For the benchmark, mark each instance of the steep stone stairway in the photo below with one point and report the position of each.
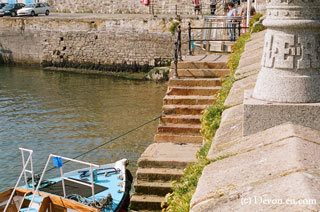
(178, 137)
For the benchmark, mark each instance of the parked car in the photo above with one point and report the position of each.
(2, 5)
(35, 9)
(11, 9)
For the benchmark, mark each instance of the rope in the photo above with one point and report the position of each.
(111, 140)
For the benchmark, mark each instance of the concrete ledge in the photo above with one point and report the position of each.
(236, 94)
(238, 144)
(270, 172)
(260, 115)
(229, 132)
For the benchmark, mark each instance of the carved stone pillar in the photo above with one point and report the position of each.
(288, 85)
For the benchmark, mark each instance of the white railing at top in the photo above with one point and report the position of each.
(91, 165)
(23, 173)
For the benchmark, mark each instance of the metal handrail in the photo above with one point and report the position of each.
(177, 52)
(236, 26)
(174, 8)
(91, 165)
(23, 172)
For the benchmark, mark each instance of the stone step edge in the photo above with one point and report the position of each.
(146, 163)
(178, 139)
(193, 126)
(146, 202)
(195, 87)
(164, 171)
(189, 97)
(186, 106)
(166, 184)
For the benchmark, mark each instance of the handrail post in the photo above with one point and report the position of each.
(62, 180)
(152, 8)
(189, 39)
(239, 26)
(23, 164)
(32, 176)
(92, 184)
(176, 10)
(175, 60)
(179, 43)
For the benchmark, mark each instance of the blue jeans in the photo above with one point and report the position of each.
(232, 31)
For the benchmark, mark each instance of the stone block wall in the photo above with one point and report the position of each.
(127, 6)
(16, 44)
(99, 6)
(127, 44)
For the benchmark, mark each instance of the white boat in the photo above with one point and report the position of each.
(96, 188)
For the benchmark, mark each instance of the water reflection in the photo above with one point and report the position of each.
(67, 114)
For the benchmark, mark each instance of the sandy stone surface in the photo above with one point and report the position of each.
(236, 94)
(243, 72)
(229, 132)
(279, 194)
(169, 153)
(229, 178)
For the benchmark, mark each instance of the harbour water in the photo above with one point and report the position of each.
(68, 114)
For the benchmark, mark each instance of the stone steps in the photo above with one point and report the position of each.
(191, 82)
(159, 174)
(168, 155)
(179, 139)
(188, 100)
(146, 202)
(201, 65)
(201, 73)
(152, 188)
(180, 129)
(183, 109)
(200, 91)
(180, 119)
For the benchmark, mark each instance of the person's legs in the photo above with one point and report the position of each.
(211, 9)
(232, 31)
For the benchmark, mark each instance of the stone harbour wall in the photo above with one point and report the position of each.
(106, 44)
(126, 6)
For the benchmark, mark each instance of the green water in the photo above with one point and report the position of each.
(68, 114)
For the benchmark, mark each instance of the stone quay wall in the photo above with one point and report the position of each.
(183, 7)
(116, 44)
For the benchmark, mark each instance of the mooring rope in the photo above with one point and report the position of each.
(111, 140)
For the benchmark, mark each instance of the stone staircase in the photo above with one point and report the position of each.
(178, 137)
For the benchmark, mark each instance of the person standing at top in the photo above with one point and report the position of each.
(231, 21)
(243, 13)
(244, 10)
(213, 6)
(196, 7)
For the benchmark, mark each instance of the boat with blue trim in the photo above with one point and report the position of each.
(95, 188)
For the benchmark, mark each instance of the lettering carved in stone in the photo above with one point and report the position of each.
(290, 52)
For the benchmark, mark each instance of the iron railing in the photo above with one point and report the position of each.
(177, 52)
(182, 9)
(233, 24)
